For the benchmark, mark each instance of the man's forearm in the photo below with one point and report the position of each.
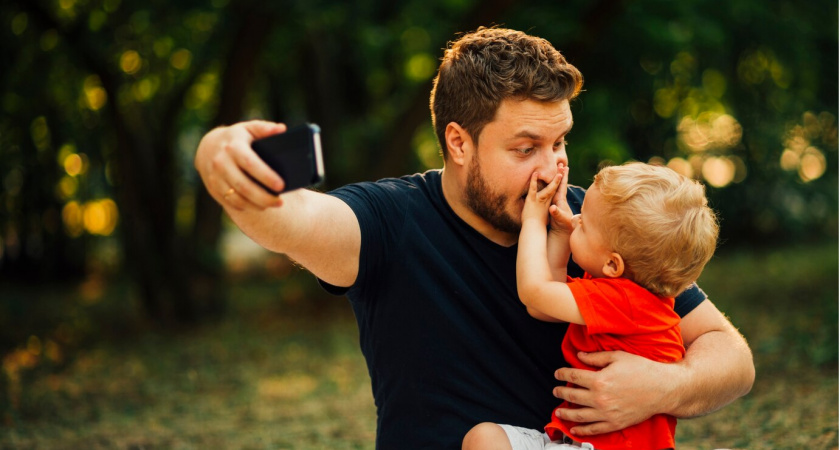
(717, 369)
(628, 389)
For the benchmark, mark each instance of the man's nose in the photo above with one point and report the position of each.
(547, 165)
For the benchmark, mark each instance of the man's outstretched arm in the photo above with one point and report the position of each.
(717, 369)
(318, 231)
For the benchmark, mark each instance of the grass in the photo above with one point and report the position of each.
(266, 377)
(282, 371)
(785, 303)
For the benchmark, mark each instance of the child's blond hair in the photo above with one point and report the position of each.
(660, 223)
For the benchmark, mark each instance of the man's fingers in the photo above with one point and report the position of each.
(574, 395)
(262, 128)
(240, 203)
(598, 359)
(240, 166)
(579, 415)
(251, 193)
(245, 192)
(253, 165)
(591, 429)
(579, 377)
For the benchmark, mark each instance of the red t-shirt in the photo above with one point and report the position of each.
(621, 315)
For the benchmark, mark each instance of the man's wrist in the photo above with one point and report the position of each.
(679, 382)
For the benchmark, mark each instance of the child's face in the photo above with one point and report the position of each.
(590, 248)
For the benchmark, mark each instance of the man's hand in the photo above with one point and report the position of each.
(225, 161)
(627, 389)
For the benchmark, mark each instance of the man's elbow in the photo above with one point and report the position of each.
(745, 364)
(748, 378)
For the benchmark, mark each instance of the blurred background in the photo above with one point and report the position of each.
(134, 315)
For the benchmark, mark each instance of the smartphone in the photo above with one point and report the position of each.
(295, 155)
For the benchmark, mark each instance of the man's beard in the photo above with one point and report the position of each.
(488, 205)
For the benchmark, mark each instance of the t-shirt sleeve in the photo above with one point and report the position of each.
(599, 302)
(689, 299)
(380, 217)
(614, 307)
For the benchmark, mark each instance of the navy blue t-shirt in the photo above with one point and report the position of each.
(447, 342)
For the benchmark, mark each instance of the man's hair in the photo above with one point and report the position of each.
(659, 222)
(489, 65)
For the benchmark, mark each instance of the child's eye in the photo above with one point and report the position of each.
(526, 151)
(562, 143)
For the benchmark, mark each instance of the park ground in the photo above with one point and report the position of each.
(283, 370)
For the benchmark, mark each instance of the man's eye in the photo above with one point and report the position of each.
(526, 151)
(559, 144)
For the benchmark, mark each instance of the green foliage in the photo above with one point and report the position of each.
(107, 99)
(761, 289)
(769, 68)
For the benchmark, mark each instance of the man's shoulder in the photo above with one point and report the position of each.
(574, 195)
(399, 192)
(430, 178)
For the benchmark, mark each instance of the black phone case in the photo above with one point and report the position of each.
(295, 155)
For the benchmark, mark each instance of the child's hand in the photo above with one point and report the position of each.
(559, 211)
(537, 202)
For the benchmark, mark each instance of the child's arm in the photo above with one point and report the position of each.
(545, 298)
(560, 229)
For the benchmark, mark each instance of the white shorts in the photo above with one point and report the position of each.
(528, 439)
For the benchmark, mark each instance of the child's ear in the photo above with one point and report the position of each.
(614, 267)
(458, 143)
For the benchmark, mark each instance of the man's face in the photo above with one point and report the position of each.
(526, 136)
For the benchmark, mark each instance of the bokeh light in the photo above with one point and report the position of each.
(67, 187)
(94, 94)
(709, 131)
(19, 24)
(72, 217)
(420, 67)
(181, 59)
(812, 165)
(73, 164)
(100, 217)
(143, 90)
(681, 166)
(40, 132)
(801, 153)
(718, 171)
(130, 62)
(202, 92)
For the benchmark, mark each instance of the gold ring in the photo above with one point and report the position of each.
(229, 192)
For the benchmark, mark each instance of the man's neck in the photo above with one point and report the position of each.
(453, 194)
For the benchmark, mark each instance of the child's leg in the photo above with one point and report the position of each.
(503, 437)
(486, 436)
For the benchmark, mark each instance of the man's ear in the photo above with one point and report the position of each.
(614, 267)
(458, 143)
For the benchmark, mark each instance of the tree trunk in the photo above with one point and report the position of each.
(179, 278)
(205, 265)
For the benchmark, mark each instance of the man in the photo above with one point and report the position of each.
(428, 263)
